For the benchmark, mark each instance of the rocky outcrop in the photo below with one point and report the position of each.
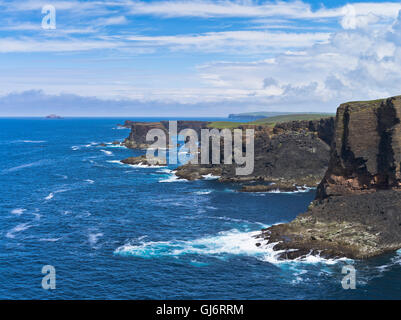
(296, 152)
(276, 187)
(357, 211)
(197, 172)
(366, 154)
(137, 136)
(143, 161)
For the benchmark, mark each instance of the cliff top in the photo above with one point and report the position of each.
(271, 121)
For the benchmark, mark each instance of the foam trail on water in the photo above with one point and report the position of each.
(109, 153)
(32, 141)
(18, 211)
(18, 228)
(50, 196)
(25, 166)
(203, 192)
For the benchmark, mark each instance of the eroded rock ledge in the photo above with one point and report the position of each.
(357, 211)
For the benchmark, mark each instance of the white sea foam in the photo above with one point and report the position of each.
(140, 165)
(50, 196)
(111, 145)
(203, 192)
(93, 238)
(164, 171)
(137, 166)
(227, 242)
(232, 242)
(173, 178)
(210, 177)
(91, 144)
(90, 181)
(75, 148)
(24, 166)
(109, 153)
(396, 260)
(115, 161)
(64, 188)
(299, 190)
(16, 229)
(18, 211)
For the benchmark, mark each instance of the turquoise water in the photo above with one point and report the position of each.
(114, 231)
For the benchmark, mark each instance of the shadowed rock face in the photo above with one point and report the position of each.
(366, 153)
(357, 211)
(137, 137)
(295, 152)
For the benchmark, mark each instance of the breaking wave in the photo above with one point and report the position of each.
(140, 165)
(173, 178)
(232, 242)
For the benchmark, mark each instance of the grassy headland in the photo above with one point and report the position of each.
(271, 121)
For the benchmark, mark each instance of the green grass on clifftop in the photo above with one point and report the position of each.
(271, 121)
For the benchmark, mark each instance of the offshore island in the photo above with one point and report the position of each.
(354, 160)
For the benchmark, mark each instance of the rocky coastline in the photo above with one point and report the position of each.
(357, 210)
(293, 153)
(355, 162)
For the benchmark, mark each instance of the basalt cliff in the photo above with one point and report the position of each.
(137, 136)
(287, 154)
(357, 210)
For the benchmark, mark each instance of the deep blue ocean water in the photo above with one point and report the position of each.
(119, 232)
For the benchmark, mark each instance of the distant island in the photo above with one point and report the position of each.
(53, 116)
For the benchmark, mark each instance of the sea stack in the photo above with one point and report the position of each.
(357, 210)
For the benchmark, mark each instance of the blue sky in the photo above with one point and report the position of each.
(196, 58)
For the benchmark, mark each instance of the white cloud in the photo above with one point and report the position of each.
(283, 9)
(8, 45)
(245, 40)
(353, 65)
(291, 70)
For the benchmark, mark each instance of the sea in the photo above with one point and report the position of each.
(115, 231)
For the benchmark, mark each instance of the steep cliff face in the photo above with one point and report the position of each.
(295, 152)
(137, 136)
(366, 154)
(357, 211)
